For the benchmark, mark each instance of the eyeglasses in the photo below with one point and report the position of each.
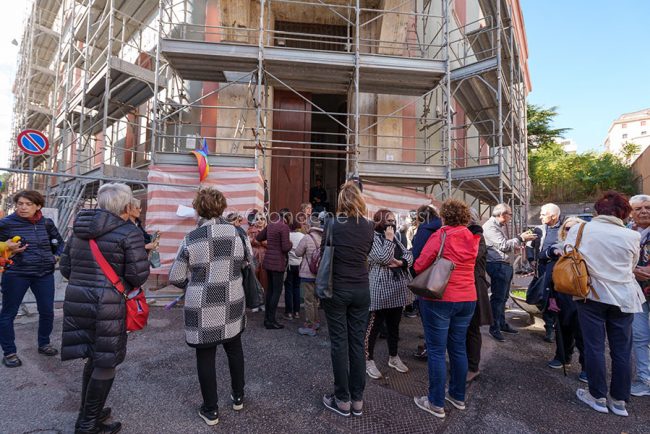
(390, 221)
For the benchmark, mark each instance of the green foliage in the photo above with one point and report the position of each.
(540, 132)
(560, 177)
(629, 151)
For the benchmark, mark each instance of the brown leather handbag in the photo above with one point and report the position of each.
(570, 273)
(432, 282)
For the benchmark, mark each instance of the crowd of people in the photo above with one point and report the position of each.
(373, 263)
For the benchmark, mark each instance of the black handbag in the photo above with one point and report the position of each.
(536, 288)
(253, 290)
(325, 277)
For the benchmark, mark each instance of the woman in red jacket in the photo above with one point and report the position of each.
(445, 321)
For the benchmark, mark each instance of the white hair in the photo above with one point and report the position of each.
(552, 208)
(639, 198)
(476, 219)
(114, 197)
(500, 209)
(136, 203)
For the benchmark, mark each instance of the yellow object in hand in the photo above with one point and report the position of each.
(15, 239)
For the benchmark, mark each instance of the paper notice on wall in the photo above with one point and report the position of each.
(185, 211)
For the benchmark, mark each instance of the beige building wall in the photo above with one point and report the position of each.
(641, 168)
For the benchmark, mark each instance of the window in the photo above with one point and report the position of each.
(624, 126)
(643, 123)
(643, 133)
(625, 136)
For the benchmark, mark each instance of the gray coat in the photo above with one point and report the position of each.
(208, 266)
(498, 245)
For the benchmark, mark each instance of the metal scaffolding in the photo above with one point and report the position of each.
(400, 92)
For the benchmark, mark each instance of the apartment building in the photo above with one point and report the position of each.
(629, 128)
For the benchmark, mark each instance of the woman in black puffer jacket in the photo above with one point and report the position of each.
(94, 312)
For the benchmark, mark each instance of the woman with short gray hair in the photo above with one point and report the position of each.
(94, 312)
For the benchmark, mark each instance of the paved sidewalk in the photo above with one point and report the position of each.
(157, 391)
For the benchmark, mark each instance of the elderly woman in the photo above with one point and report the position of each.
(347, 310)
(33, 268)
(446, 321)
(567, 330)
(208, 266)
(94, 312)
(389, 261)
(611, 252)
(150, 241)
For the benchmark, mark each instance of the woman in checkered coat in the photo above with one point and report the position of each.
(208, 266)
(389, 262)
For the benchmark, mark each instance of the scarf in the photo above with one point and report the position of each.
(38, 215)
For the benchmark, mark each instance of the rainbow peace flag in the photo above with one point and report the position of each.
(202, 161)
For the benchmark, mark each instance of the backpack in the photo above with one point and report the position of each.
(314, 259)
(570, 273)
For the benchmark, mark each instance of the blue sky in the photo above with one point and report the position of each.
(591, 59)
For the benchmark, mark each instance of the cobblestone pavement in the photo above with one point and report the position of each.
(157, 391)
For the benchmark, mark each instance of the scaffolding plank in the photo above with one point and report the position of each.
(216, 160)
(198, 60)
(402, 174)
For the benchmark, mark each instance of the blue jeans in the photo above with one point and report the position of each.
(445, 329)
(641, 343)
(500, 277)
(596, 319)
(14, 289)
(292, 290)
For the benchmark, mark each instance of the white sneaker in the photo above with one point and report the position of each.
(617, 407)
(600, 404)
(639, 388)
(423, 403)
(372, 371)
(397, 364)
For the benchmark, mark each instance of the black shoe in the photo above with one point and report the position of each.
(508, 329)
(329, 401)
(96, 394)
(421, 353)
(211, 417)
(87, 372)
(497, 335)
(549, 337)
(273, 325)
(237, 403)
(48, 350)
(11, 361)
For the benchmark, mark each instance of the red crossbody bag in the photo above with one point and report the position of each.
(137, 310)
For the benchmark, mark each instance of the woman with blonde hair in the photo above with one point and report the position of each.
(347, 311)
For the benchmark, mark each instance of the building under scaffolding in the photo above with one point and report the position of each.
(422, 99)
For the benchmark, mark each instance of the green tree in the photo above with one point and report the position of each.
(629, 151)
(540, 131)
(560, 177)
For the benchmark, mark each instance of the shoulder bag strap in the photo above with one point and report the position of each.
(579, 237)
(241, 237)
(108, 271)
(442, 245)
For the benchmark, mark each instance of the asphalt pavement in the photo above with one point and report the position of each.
(156, 389)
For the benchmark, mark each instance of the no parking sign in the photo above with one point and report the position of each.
(33, 142)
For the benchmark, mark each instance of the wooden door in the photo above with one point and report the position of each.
(291, 129)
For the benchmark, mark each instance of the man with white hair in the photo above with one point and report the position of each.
(547, 235)
(641, 325)
(500, 246)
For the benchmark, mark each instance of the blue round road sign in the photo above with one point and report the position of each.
(33, 142)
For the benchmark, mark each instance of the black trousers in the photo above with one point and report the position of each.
(474, 342)
(567, 331)
(392, 318)
(347, 319)
(205, 365)
(276, 282)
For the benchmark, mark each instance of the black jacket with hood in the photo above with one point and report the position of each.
(94, 313)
